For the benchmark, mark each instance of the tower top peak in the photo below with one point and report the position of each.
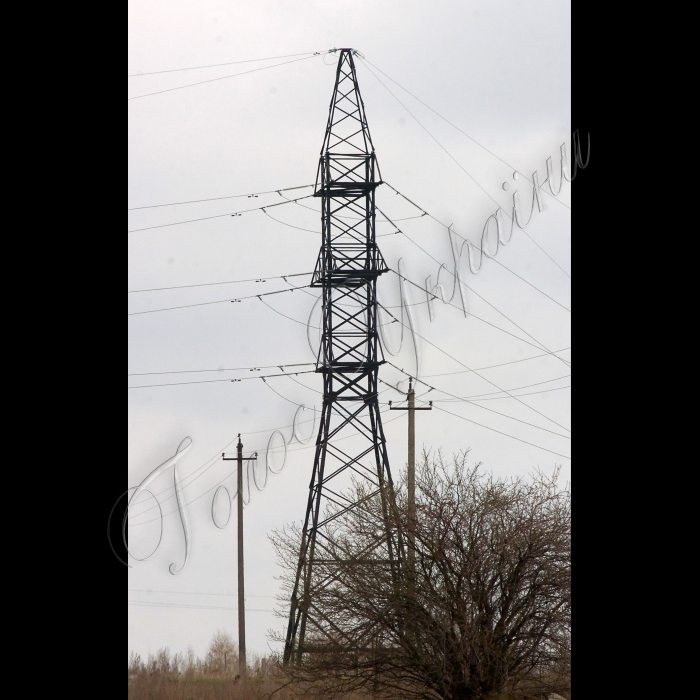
(347, 132)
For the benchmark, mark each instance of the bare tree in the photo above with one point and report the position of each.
(190, 663)
(163, 664)
(482, 611)
(222, 655)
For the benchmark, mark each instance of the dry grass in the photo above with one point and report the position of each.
(202, 687)
(184, 677)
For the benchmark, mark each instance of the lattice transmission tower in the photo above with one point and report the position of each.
(348, 265)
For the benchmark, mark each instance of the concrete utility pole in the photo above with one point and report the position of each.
(411, 408)
(241, 587)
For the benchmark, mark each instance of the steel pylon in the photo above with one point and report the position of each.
(349, 357)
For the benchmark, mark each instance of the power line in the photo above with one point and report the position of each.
(478, 318)
(301, 364)
(528, 393)
(477, 374)
(219, 216)
(303, 323)
(491, 410)
(211, 381)
(212, 80)
(233, 595)
(512, 272)
(208, 464)
(211, 284)
(296, 381)
(348, 306)
(307, 323)
(503, 364)
(215, 486)
(194, 607)
(315, 391)
(515, 388)
(353, 218)
(432, 137)
(545, 252)
(219, 301)
(477, 293)
(221, 369)
(295, 403)
(457, 280)
(302, 288)
(212, 460)
(475, 403)
(498, 262)
(471, 289)
(466, 171)
(299, 228)
(476, 398)
(454, 126)
(214, 199)
(313, 446)
(505, 415)
(532, 444)
(231, 63)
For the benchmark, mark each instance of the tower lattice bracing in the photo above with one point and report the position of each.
(348, 265)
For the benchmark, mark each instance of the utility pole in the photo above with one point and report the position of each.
(411, 408)
(241, 588)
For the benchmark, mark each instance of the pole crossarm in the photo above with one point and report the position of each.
(349, 357)
(409, 408)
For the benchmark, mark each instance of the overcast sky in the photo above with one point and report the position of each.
(498, 70)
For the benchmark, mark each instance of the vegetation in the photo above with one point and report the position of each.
(163, 676)
(481, 610)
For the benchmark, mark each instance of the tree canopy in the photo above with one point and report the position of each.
(480, 609)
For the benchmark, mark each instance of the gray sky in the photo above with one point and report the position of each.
(500, 71)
